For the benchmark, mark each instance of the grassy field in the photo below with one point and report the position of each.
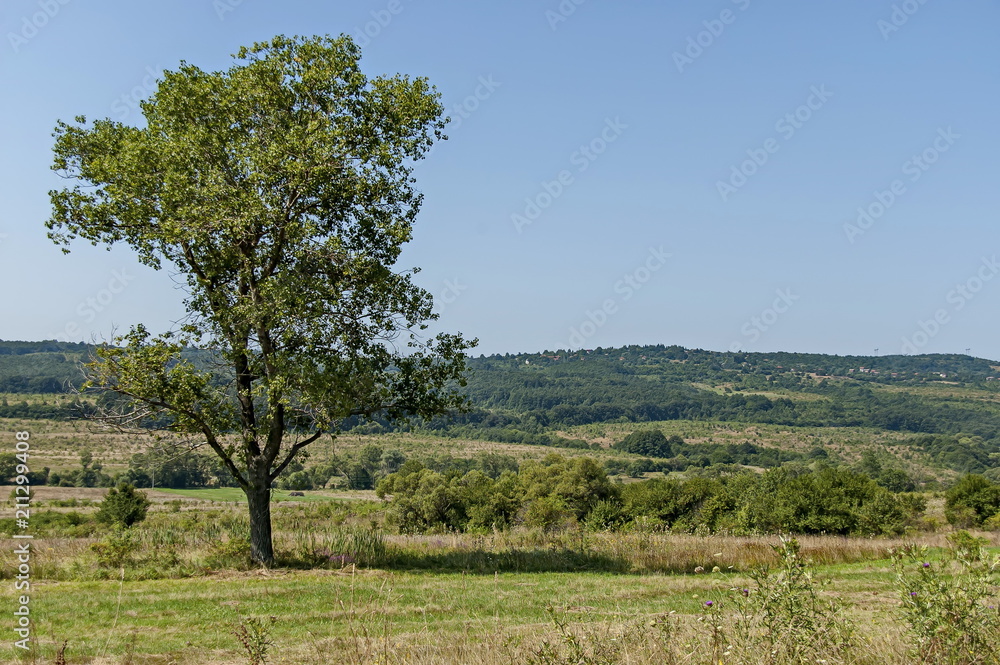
(416, 608)
(179, 590)
(341, 615)
(235, 494)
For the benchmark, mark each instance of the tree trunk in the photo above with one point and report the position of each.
(259, 500)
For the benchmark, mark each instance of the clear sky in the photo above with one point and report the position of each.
(783, 175)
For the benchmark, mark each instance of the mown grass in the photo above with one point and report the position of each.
(235, 494)
(381, 616)
(189, 620)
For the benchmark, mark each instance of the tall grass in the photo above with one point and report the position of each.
(182, 544)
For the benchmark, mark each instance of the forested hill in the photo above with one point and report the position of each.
(41, 367)
(527, 395)
(931, 394)
(698, 365)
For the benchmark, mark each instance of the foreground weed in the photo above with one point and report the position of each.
(785, 619)
(128, 657)
(573, 650)
(254, 633)
(967, 547)
(950, 607)
(595, 647)
(116, 550)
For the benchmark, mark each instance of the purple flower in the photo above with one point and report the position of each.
(338, 559)
(342, 559)
(926, 565)
(913, 593)
(708, 603)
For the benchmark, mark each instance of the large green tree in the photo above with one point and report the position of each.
(281, 191)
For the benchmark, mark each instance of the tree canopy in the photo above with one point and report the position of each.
(281, 191)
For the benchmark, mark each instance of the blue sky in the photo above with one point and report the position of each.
(778, 175)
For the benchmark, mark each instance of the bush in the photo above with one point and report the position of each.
(254, 633)
(300, 480)
(605, 516)
(116, 549)
(896, 480)
(973, 499)
(578, 484)
(649, 443)
(993, 523)
(123, 507)
(946, 605)
(548, 513)
(546, 494)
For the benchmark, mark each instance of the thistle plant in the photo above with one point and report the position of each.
(950, 606)
(784, 618)
(254, 633)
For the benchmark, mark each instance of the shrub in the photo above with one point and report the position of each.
(993, 523)
(492, 504)
(299, 480)
(116, 549)
(966, 547)
(973, 498)
(895, 480)
(123, 507)
(548, 513)
(16, 492)
(579, 484)
(947, 605)
(423, 500)
(659, 498)
(649, 443)
(605, 515)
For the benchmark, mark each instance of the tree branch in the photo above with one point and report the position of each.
(292, 452)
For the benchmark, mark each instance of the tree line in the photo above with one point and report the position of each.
(558, 492)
